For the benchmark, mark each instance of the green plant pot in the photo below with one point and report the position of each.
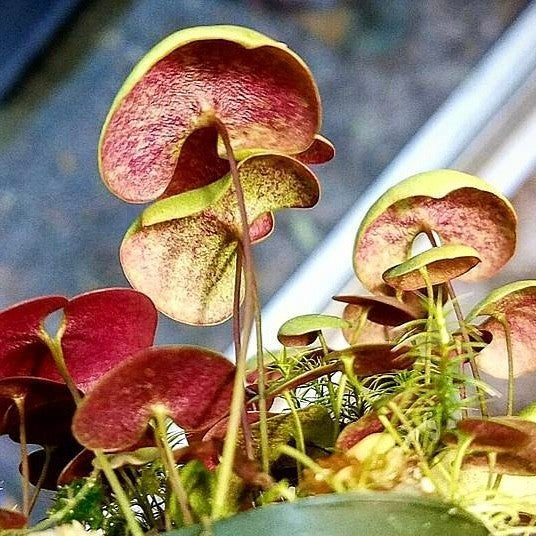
(367, 514)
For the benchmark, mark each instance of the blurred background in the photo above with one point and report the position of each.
(383, 68)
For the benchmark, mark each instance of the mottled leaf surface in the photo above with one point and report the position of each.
(515, 303)
(369, 359)
(513, 439)
(262, 92)
(441, 264)
(460, 208)
(104, 327)
(362, 330)
(186, 264)
(192, 385)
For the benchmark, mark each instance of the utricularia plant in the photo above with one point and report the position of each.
(214, 130)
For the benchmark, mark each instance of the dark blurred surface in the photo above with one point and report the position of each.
(382, 68)
(26, 28)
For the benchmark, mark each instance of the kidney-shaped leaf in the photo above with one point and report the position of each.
(441, 264)
(104, 327)
(98, 329)
(515, 304)
(193, 385)
(348, 514)
(261, 91)
(303, 330)
(186, 262)
(21, 346)
(460, 208)
(48, 409)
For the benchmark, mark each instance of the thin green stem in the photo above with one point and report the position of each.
(251, 311)
(120, 495)
(509, 351)
(246, 429)
(20, 403)
(263, 411)
(465, 335)
(54, 345)
(42, 476)
(300, 440)
(173, 475)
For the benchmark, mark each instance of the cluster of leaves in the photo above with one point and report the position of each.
(216, 128)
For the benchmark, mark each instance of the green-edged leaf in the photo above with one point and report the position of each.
(441, 265)
(260, 90)
(514, 304)
(303, 330)
(460, 208)
(349, 514)
(187, 204)
(186, 265)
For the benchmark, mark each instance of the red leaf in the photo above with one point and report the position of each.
(192, 384)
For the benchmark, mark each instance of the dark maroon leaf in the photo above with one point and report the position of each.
(193, 385)
(10, 520)
(22, 350)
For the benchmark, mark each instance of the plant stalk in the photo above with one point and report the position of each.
(54, 345)
(171, 469)
(251, 311)
(20, 403)
(509, 351)
(459, 316)
(42, 476)
(246, 429)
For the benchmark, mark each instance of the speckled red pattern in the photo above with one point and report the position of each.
(519, 309)
(465, 216)
(261, 95)
(194, 385)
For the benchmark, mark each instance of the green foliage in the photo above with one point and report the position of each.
(93, 508)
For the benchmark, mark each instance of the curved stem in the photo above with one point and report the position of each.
(54, 345)
(300, 439)
(19, 402)
(169, 463)
(119, 492)
(246, 429)
(251, 311)
(509, 351)
(42, 476)
(465, 335)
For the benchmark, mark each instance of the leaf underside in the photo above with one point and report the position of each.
(187, 265)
